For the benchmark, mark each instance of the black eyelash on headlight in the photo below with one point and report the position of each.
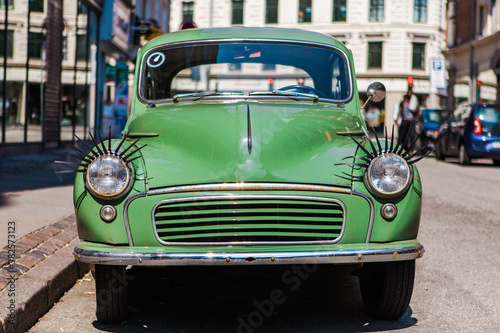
(100, 149)
(409, 155)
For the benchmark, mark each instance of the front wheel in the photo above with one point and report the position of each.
(463, 156)
(386, 288)
(111, 294)
(439, 153)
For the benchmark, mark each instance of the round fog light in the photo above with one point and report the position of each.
(108, 213)
(389, 211)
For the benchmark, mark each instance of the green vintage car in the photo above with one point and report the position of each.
(246, 146)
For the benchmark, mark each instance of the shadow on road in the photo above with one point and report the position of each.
(248, 299)
(31, 172)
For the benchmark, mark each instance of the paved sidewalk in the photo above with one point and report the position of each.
(44, 268)
(37, 236)
(35, 191)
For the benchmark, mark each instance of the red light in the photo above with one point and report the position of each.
(477, 126)
(479, 83)
(188, 25)
(410, 80)
(270, 80)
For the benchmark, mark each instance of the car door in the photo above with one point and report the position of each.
(457, 128)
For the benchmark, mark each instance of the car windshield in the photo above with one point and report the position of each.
(257, 69)
(432, 116)
(490, 120)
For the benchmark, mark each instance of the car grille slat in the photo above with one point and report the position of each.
(208, 220)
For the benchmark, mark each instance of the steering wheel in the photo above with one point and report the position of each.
(304, 90)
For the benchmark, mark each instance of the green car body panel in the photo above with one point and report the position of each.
(204, 142)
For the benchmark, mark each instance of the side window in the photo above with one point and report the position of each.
(457, 114)
(467, 112)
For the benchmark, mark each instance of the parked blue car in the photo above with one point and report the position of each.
(472, 131)
(431, 121)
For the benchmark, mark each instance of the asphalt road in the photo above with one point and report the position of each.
(456, 286)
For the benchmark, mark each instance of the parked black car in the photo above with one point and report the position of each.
(472, 131)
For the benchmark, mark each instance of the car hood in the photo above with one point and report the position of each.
(201, 143)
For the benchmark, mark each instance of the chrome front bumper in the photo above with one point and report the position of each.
(254, 258)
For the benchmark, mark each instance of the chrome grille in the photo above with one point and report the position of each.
(248, 219)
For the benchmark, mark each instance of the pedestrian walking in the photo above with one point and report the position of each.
(409, 114)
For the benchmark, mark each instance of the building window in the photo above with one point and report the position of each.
(420, 11)
(10, 43)
(237, 12)
(37, 5)
(187, 11)
(11, 4)
(305, 10)
(271, 11)
(481, 20)
(268, 67)
(374, 54)
(376, 10)
(235, 66)
(81, 48)
(35, 40)
(339, 10)
(418, 61)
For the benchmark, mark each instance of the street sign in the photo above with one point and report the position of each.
(438, 73)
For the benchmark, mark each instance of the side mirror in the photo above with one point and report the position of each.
(375, 92)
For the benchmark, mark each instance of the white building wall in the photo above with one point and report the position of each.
(397, 32)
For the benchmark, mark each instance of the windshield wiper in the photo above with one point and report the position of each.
(199, 95)
(293, 95)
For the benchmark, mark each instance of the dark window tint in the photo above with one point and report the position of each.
(237, 17)
(339, 10)
(418, 60)
(375, 55)
(490, 120)
(36, 45)
(37, 6)
(376, 10)
(10, 43)
(305, 11)
(187, 11)
(420, 11)
(271, 11)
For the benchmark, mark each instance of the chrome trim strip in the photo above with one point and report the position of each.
(247, 187)
(249, 130)
(249, 196)
(372, 213)
(125, 214)
(249, 258)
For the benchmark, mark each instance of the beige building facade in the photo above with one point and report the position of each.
(391, 40)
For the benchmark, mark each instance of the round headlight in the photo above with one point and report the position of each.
(108, 177)
(388, 175)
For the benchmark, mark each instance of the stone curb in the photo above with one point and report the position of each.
(43, 271)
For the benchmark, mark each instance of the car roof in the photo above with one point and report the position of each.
(480, 104)
(243, 33)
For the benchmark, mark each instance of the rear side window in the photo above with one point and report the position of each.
(490, 120)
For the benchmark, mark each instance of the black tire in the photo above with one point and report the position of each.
(111, 294)
(463, 156)
(386, 288)
(439, 153)
(496, 162)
